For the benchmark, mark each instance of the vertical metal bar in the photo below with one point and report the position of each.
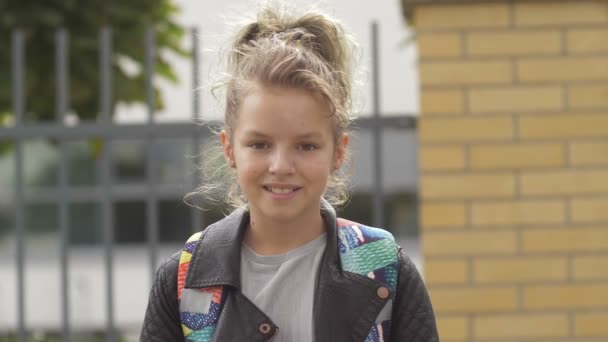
(378, 199)
(106, 157)
(105, 66)
(197, 216)
(61, 97)
(18, 66)
(197, 219)
(196, 101)
(151, 201)
(150, 51)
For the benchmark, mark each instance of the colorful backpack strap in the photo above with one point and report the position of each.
(199, 309)
(371, 252)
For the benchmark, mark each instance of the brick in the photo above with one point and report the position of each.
(589, 210)
(469, 243)
(446, 215)
(591, 324)
(441, 158)
(589, 153)
(513, 43)
(526, 212)
(445, 271)
(562, 69)
(520, 270)
(466, 73)
(566, 296)
(516, 156)
(587, 40)
(564, 126)
(556, 12)
(520, 99)
(521, 326)
(565, 240)
(441, 101)
(439, 45)
(471, 186)
(566, 339)
(453, 328)
(465, 129)
(456, 16)
(564, 182)
(588, 96)
(591, 267)
(474, 300)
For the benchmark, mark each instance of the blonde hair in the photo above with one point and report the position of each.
(277, 49)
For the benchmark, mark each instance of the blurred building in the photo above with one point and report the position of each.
(89, 208)
(87, 287)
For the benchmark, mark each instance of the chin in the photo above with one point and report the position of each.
(284, 212)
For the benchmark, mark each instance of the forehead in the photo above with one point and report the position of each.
(283, 111)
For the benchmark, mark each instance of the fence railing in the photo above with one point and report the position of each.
(106, 191)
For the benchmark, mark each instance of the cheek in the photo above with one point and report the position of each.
(322, 161)
(247, 177)
(318, 167)
(248, 172)
(249, 166)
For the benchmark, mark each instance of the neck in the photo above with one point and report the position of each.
(271, 237)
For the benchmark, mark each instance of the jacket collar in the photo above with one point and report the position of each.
(217, 257)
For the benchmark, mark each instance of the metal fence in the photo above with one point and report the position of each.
(107, 191)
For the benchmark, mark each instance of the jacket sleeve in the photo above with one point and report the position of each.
(413, 318)
(161, 322)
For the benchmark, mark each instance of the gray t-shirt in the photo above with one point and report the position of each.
(283, 286)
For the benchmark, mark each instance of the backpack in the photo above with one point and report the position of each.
(364, 250)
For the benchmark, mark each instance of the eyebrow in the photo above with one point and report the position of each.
(308, 135)
(254, 134)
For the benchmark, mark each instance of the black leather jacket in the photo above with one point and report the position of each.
(346, 304)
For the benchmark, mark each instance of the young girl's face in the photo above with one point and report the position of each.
(284, 149)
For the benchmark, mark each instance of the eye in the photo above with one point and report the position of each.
(258, 145)
(308, 147)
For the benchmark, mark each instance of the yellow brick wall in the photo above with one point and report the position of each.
(514, 167)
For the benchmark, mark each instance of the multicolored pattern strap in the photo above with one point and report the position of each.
(199, 309)
(371, 252)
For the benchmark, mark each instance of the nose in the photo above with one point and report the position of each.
(281, 162)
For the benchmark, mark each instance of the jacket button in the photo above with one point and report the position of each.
(264, 328)
(383, 292)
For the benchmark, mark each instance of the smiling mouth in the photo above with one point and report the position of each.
(280, 190)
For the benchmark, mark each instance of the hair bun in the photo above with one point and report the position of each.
(314, 30)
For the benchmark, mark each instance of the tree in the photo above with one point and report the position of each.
(83, 20)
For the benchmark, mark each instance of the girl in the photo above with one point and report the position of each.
(282, 266)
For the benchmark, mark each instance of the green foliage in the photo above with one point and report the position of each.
(128, 19)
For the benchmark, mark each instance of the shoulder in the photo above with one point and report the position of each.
(413, 316)
(169, 269)
(185, 254)
(352, 235)
(368, 251)
(347, 226)
(161, 322)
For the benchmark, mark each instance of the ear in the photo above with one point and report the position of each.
(341, 149)
(227, 148)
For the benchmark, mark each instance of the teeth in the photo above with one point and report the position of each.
(280, 190)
